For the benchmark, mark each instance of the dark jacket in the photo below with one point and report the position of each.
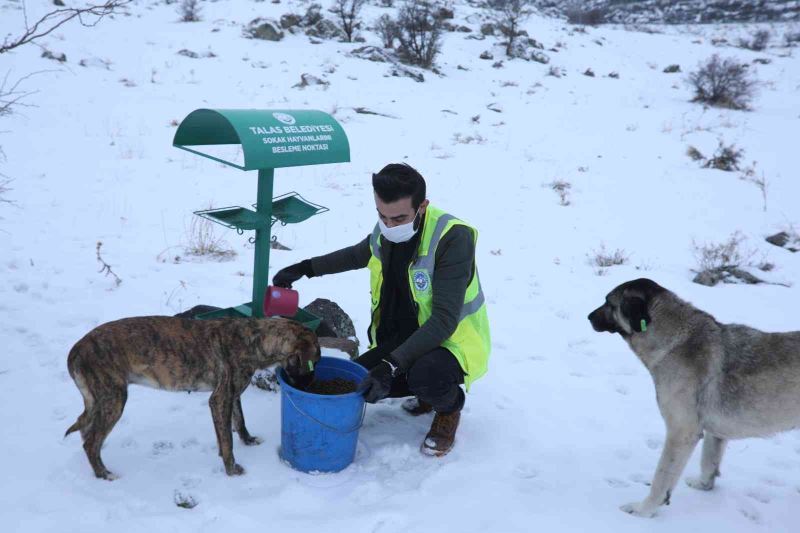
(453, 270)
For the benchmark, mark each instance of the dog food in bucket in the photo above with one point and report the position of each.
(330, 387)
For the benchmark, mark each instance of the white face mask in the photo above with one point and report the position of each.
(399, 233)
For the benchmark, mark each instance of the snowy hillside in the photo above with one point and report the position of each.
(679, 11)
(562, 430)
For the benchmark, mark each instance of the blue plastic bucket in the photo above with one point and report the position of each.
(319, 432)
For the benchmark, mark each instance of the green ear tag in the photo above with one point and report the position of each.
(643, 325)
(311, 365)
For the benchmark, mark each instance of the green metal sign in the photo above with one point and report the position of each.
(272, 138)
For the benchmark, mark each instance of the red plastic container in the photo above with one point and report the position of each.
(280, 302)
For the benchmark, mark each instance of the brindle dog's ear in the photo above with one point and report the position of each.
(635, 310)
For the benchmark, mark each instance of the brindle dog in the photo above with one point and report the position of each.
(182, 355)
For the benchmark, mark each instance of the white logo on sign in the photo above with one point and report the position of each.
(285, 118)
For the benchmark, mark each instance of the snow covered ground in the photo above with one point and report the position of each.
(562, 430)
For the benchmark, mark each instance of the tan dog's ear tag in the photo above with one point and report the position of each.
(310, 366)
(643, 325)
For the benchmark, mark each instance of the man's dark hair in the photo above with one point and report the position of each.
(399, 180)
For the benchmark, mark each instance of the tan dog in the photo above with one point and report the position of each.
(715, 382)
(181, 354)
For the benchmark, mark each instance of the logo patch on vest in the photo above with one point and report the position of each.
(421, 281)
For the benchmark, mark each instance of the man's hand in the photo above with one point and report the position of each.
(377, 384)
(285, 277)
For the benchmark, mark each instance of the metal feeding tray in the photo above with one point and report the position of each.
(239, 218)
(309, 320)
(291, 208)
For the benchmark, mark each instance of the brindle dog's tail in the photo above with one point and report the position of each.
(85, 419)
(79, 424)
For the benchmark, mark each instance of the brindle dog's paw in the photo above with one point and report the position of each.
(107, 475)
(638, 509)
(235, 470)
(252, 441)
(699, 483)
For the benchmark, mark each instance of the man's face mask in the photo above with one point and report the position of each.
(401, 232)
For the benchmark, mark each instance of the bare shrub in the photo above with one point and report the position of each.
(419, 33)
(105, 268)
(694, 154)
(4, 188)
(459, 138)
(202, 241)
(189, 10)
(725, 158)
(347, 11)
(387, 30)
(578, 13)
(603, 259)
(725, 262)
(723, 83)
(751, 175)
(758, 42)
(507, 16)
(728, 254)
(791, 38)
(562, 188)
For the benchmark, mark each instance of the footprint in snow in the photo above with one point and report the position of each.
(621, 389)
(21, 288)
(641, 479)
(751, 514)
(162, 447)
(653, 443)
(623, 454)
(617, 483)
(191, 482)
(759, 496)
(526, 471)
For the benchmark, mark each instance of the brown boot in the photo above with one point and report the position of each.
(416, 407)
(442, 435)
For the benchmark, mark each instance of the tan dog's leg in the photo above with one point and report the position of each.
(110, 401)
(677, 450)
(221, 404)
(713, 448)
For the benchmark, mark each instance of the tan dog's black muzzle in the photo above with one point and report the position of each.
(601, 321)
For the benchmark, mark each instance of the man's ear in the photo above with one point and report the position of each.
(423, 206)
(635, 310)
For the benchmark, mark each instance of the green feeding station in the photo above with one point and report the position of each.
(268, 139)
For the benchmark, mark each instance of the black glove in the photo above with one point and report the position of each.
(285, 277)
(378, 383)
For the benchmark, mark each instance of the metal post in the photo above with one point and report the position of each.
(261, 262)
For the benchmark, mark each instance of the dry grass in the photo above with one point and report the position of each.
(203, 241)
(562, 188)
(602, 259)
(726, 158)
(727, 254)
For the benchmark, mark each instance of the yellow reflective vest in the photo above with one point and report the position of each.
(470, 343)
